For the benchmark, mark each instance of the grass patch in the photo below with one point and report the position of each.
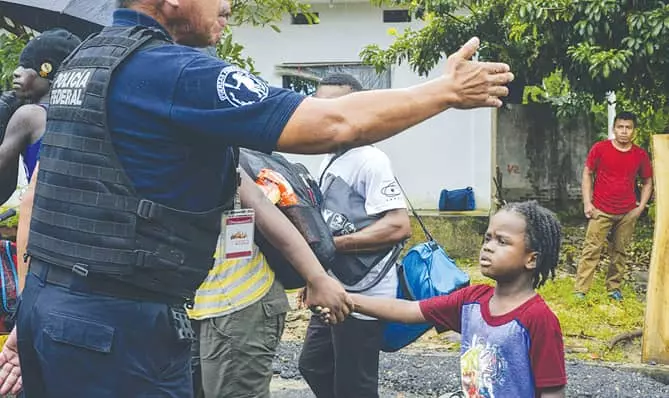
(11, 222)
(591, 323)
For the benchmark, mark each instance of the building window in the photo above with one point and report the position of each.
(299, 84)
(302, 19)
(304, 78)
(394, 16)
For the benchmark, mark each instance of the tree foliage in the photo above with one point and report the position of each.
(266, 12)
(10, 48)
(256, 13)
(598, 46)
(245, 12)
(652, 112)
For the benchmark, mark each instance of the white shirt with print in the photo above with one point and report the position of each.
(367, 170)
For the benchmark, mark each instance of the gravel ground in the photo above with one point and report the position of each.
(417, 374)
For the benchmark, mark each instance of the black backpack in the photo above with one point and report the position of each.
(306, 215)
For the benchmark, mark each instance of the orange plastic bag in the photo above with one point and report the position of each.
(277, 189)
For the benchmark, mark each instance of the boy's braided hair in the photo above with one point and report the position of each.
(543, 234)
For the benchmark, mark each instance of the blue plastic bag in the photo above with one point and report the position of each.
(426, 271)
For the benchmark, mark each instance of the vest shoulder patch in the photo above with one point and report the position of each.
(239, 87)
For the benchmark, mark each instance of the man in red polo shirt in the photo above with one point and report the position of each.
(615, 165)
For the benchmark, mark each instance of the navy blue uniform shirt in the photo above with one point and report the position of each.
(174, 112)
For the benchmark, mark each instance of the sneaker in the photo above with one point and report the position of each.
(579, 295)
(616, 295)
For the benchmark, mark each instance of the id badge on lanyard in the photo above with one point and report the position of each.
(237, 229)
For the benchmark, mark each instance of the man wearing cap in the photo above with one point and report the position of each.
(38, 64)
(137, 170)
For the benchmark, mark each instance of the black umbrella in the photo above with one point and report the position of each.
(81, 17)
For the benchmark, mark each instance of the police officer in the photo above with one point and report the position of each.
(130, 194)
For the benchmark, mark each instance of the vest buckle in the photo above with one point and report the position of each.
(80, 269)
(146, 209)
(142, 257)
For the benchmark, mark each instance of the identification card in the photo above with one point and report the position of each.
(237, 229)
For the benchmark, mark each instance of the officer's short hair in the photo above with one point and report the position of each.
(342, 79)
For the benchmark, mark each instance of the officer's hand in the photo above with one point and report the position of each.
(476, 84)
(327, 293)
(10, 367)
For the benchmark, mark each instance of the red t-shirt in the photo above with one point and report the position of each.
(615, 176)
(512, 355)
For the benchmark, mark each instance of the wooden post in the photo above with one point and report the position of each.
(655, 343)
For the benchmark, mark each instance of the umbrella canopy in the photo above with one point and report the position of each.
(81, 17)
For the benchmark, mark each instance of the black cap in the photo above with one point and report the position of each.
(46, 52)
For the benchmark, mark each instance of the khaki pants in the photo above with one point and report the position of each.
(599, 227)
(237, 350)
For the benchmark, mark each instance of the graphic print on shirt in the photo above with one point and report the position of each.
(482, 367)
(391, 190)
(488, 355)
(339, 224)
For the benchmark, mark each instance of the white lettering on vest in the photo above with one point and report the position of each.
(68, 89)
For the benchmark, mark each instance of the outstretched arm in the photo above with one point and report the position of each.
(388, 309)
(281, 233)
(367, 117)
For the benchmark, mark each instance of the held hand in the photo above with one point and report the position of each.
(588, 210)
(330, 296)
(476, 84)
(10, 367)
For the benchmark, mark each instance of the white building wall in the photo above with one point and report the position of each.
(452, 150)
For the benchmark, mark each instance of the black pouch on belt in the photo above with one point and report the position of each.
(182, 325)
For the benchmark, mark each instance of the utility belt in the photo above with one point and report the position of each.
(106, 286)
(97, 284)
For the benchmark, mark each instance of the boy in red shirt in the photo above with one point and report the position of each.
(511, 341)
(612, 205)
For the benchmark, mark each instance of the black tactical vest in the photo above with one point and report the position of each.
(87, 216)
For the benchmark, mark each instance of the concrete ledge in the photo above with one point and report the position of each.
(460, 233)
(437, 213)
(659, 373)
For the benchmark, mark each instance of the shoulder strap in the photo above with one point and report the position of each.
(427, 233)
(392, 260)
(335, 157)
